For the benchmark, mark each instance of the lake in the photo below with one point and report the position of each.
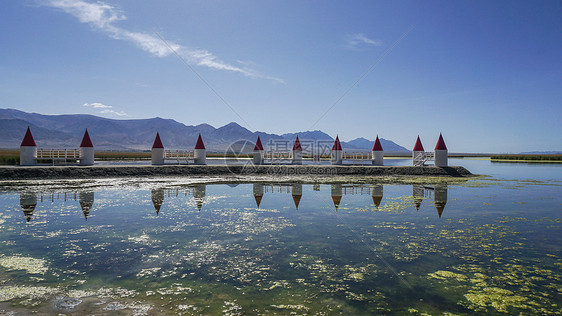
(176, 246)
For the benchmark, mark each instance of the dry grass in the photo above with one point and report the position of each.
(9, 157)
(551, 157)
(122, 155)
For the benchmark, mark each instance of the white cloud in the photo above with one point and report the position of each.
(114, 112)
(104, 109)
(359, 40)
(102, 16)
(97, 105)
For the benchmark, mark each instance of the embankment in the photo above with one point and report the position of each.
(116, 171)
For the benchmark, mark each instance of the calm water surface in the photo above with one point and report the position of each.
(131, 247)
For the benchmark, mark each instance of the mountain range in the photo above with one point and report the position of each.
(66, 131)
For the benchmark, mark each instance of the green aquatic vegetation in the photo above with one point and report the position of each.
(498, 298)
(30, 265)
(444, 275)
(190, 262)
(396, 205)
(8, 293)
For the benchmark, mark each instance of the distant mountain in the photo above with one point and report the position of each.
(60, 131)
(363, 143)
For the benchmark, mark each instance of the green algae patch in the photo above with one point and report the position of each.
(30, 265)
(444, 275)
(8, 293)
(498, 298)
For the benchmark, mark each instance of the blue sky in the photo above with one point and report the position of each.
(487, 74)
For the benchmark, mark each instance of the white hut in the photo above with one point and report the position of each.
(28, 150)
(297, 152)
(157, 151)
(337, 154)
(441, 153)
(418, 153)
(378, 154)
(86, 150)
(258, 153)
(200, 154)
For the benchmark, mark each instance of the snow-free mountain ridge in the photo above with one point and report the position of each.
(66, 131)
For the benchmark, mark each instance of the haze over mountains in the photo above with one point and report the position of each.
(66, 131)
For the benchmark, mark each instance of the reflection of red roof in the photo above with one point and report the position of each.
(377, 146)
(418, 146)
(440, 143)
(336, 199)
(199, 144)
(28, 139)
(297, 144)
(258, 199)
(337, 145)
(297, 200)
(157, 142)
(258, 144)
(86, 141)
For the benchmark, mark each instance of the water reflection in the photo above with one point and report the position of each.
(28, 202)
(258, 189)
(418, 193)
(199, 195)
(337, 193)
(438, 192)
(86, 200)
(296, 192)
(29, 199)
(376, 193)
(157, 199)
(440, 198)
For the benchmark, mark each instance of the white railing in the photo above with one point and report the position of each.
(58, 154)
(278, 155)
(179, 155)
(420, 158)
(357, 156)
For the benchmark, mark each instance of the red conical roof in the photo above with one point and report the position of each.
(258, 144)
(440, 143)
(199, 144)
(418, 146)
(157, 142)
(28, 139)
(337, 145)
(86, 141)
(297, 144)
(377, 146)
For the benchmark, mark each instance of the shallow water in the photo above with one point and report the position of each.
(487, 245)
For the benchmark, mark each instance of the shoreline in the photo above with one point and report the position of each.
(109, 171)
